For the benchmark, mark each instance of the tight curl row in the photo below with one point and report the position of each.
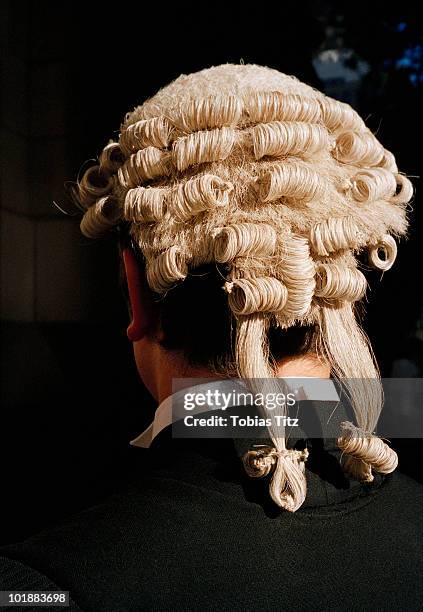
(274, 139)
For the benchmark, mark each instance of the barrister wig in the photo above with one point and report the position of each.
(246, 166)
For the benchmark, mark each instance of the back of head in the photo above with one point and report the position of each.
(249, 172)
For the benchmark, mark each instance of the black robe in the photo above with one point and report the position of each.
(194, 532)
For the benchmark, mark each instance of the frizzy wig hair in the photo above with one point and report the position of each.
(251, 168)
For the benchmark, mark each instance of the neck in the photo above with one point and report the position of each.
(173, 365)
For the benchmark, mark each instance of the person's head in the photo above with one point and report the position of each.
(247, 197)
(192, 326)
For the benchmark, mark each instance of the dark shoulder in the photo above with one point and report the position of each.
(406, 488)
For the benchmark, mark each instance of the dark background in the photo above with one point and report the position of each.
(70, 395)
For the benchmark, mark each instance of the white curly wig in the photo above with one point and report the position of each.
(244, 165)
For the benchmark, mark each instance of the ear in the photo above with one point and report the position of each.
(140, 298)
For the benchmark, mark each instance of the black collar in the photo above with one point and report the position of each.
(216, 463)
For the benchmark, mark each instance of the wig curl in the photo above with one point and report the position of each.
(245, 165)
